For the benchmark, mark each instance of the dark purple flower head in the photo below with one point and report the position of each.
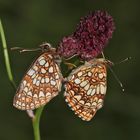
(68, 47)
(93, 33)
(91, 36)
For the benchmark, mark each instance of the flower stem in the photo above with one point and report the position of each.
(36, 122)
(6, 56)
(36, 119)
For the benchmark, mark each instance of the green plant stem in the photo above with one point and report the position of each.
(36, 119)
(36, 122)
(6, 56)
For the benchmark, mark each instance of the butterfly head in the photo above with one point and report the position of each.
(101, 60)
(108, 62)
(47, 47)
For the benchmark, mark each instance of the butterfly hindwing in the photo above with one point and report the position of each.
(40, 84)
(85, 88)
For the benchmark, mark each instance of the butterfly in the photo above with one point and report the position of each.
(85, 88)
(41, 83)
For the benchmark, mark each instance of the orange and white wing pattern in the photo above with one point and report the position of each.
(85, 88)
(41, 83)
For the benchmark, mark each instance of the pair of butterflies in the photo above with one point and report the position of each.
(85, 87)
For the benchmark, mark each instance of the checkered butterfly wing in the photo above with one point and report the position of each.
(85, 88)
(40, 84)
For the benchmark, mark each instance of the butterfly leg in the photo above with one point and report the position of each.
(70, 65)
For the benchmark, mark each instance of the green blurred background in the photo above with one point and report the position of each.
(29, 23)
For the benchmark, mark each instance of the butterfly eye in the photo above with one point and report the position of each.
(85, 89)
(40, 84)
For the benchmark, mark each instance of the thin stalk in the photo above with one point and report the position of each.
(36, 119)
(36, 122)
(6, 56)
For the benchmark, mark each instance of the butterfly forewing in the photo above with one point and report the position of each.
(85, 89)
(41, 83)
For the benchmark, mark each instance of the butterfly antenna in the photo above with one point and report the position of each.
(116, 77)
(21, 50)
(124, 60)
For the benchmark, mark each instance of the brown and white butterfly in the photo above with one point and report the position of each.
(41, 83)
(85, 88)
